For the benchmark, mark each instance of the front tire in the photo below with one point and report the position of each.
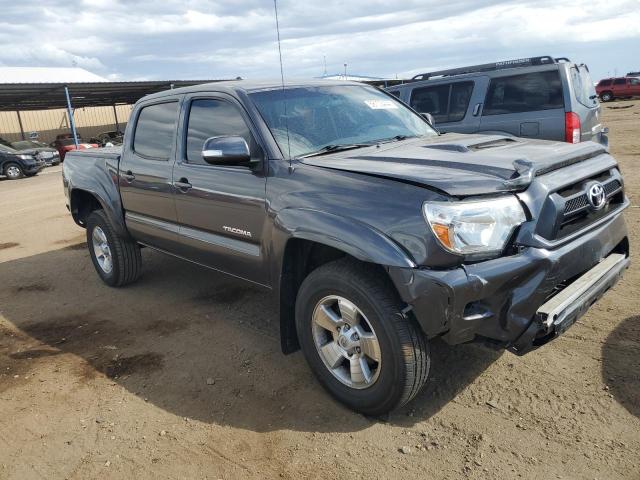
(13, 171)
(117, 259)
(363, 349)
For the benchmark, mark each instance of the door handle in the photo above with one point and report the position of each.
(129, 176)
(183, 185)
(476, 109)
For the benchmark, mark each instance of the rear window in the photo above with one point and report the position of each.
(155, 130)
(583, 87)
(524, 93)
(620, 81)
(447, 103)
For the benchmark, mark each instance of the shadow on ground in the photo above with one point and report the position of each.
(188, 340)
(621, 364)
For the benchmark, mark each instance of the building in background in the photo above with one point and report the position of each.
(45, 125)
(36, 103)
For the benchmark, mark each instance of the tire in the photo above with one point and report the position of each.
(116, 259)
(606, 96)
(13, 171)
(402, 348)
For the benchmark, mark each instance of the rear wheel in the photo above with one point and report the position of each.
(13, 171)
(606, 96)
(116, 259)
(363, 349)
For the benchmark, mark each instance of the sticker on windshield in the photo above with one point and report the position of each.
(381, 104)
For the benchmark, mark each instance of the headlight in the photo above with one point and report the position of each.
(474, 226)
(26, 157)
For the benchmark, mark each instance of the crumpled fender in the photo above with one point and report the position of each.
(357, 239)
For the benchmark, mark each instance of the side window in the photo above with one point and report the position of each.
(529, 92)
(604, 83)
(213, 118)
(433, 100)
(460, 97)
(447, 103)
(395, 93)
(156, 130)
(634, 81)
(620, 81)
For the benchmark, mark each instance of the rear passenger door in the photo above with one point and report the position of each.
(145, 174)
(222, 212)
(454, 106)
(526, 105)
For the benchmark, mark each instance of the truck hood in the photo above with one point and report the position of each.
(461, 165)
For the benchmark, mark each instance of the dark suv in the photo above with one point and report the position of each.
(542, 97)
(15, 164)
(622, 87)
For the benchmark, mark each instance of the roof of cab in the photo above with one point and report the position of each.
(248, 86)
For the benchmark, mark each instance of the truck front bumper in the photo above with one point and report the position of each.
(509, 301)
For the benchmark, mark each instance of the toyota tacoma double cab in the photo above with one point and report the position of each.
(376, 233)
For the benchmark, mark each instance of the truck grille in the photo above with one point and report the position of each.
(581, 201)
(569, 210)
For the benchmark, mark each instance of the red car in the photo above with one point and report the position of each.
(64, 143)
(620, 87)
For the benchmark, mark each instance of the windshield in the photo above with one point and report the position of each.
(4, 148)
(583, 86)
(323, 116)
(23, 145)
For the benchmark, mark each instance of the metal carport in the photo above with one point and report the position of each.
(45, 96)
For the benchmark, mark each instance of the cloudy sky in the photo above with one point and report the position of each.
(200, 39)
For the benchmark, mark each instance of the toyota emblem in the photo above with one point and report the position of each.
(596, 196)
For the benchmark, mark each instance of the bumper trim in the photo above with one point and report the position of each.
(582, 292)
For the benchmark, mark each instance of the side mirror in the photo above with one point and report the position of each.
(226, 150)
(429, 118)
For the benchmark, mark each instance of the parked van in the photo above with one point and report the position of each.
(542, 97)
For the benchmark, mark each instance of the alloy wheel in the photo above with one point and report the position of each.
(102, 250)
(346, 342)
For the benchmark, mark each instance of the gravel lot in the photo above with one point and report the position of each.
(180, 375)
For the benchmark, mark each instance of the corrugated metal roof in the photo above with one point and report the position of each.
(43, 96)
(47, 75)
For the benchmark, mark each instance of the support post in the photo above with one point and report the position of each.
(71, 120)
(20, 123)
(115, 115)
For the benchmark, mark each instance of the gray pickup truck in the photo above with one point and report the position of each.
(375, 232)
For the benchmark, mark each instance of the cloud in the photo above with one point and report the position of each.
(223, 39)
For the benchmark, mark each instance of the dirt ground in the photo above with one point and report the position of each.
(181, 376)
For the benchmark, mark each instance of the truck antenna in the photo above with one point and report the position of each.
(284, 98)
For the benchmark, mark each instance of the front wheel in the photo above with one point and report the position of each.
(364, 350)
(13, 171)
(116, 258)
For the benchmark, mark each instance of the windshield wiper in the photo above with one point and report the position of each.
(397, 138)
(336, 148)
